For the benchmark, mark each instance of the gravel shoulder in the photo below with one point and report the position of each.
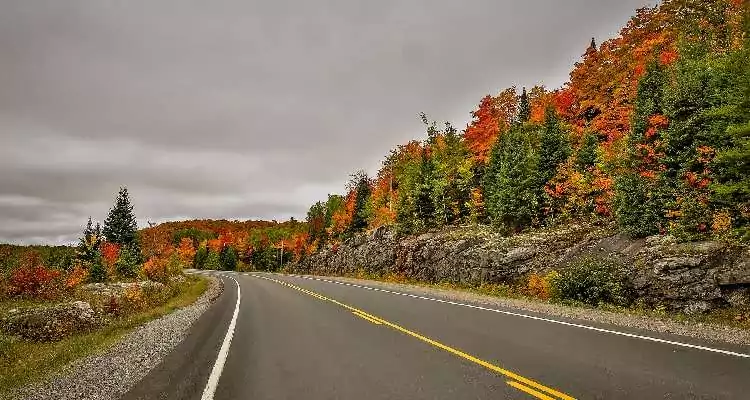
(703, 331)
(111, 373)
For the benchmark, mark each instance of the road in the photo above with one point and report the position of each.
(292, 337)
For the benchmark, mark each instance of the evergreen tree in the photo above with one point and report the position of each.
(120, 226)
(731, 189)
(586, 156)
(554, 146)
(639, 202)
(97, 270)
(90, 243)
(362, 186)
(213, 261)
(127, 263)
(695, 105)
(228, 259)
(423, 204)
(524, 108)
(511, 185)
(199, 260)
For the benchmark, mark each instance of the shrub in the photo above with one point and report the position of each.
(75, 277)
(97, 270)
(539, 285)
(34, 280)
(174, 265)
(593, 281)
(155, 269)
(133, 299)
(212, 261)
(127, 262)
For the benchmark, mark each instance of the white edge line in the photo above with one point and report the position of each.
(532, 317)
(213, 379)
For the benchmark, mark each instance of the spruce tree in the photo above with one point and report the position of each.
(228, 259)
(554, 146)
(524, 108)
(120, 226)
(361, 183)
(586, 157)
(89, 244)
(511, 187)
(424, 205)
(731, 189)
(639, 203)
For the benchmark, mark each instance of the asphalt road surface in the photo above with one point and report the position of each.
(288, 337)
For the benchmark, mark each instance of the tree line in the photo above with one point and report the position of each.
(652, 132)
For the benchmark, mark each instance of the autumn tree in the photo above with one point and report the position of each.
(316, 222)
(494, 115)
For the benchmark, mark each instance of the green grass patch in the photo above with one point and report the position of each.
(22, 362)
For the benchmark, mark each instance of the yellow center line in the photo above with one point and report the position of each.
(376, 322)
(529, 391)
(459, 353)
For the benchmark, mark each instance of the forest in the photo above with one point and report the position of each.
(651, 132)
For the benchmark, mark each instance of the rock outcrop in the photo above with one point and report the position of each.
(690, 277)
(50, 323)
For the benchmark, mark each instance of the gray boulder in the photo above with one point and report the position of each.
(50, 323)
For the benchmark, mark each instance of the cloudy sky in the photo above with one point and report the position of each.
(247, 109)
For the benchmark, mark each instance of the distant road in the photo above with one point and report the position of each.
(293, 337)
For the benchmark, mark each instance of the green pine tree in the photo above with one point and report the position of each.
(511, 187)
(128, 262)
(90, 243)
(228, 259)
(639, 201)
(120, 226)
(731, 189)
(586, 157)
(554, 145)
(524, 108)
(423, 204)
(362, 186)
(199, 260)
(97, 270)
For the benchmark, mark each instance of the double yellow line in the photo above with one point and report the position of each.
(516, 381)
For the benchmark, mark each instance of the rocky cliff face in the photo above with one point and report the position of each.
(691, 277)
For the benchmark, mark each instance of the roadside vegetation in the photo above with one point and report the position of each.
(60, 303)
(23, 361)
(595, 283)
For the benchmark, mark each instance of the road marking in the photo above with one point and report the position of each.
(532, 317)
(434, 343)
(529, 391)
(374, 321)
(213, 379)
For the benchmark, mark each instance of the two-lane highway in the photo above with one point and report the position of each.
(291, 337)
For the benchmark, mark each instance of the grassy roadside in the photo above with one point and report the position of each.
(22, 361)
(729, 317)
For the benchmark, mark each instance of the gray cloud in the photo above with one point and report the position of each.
(243, 109)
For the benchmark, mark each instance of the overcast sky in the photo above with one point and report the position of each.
(247, 109)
